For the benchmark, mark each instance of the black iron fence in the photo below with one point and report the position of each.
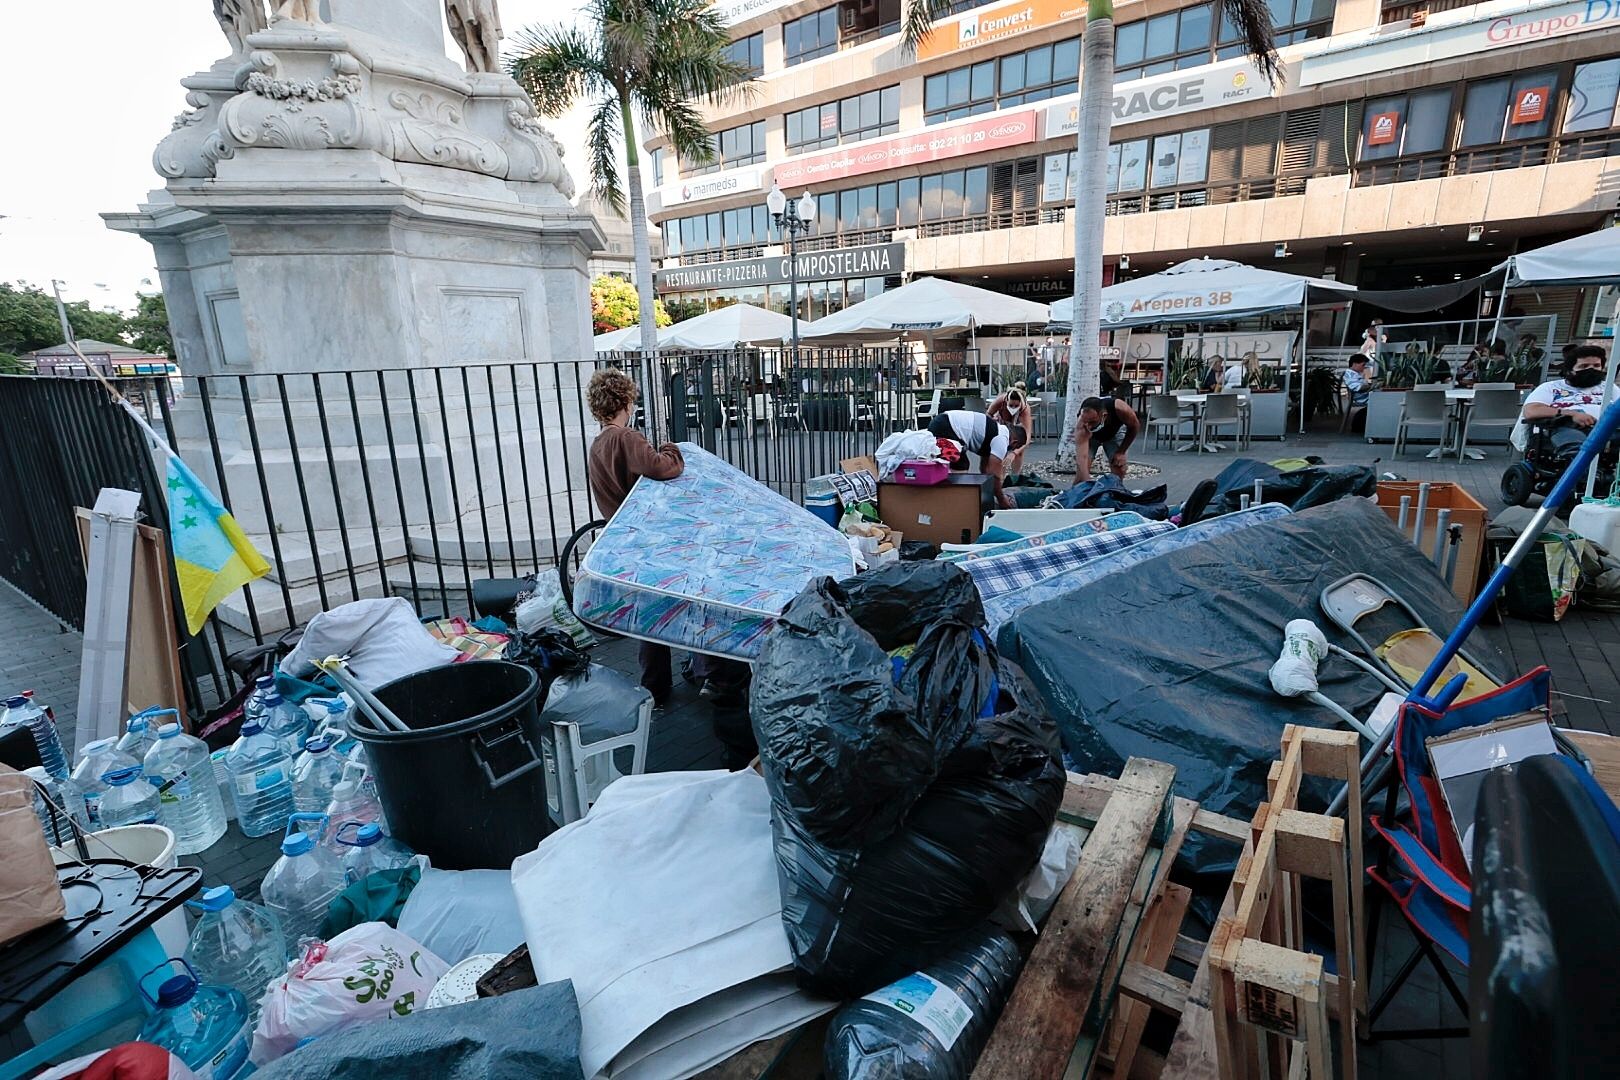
(419, 482)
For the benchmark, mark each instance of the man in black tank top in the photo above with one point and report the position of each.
(1108, 423)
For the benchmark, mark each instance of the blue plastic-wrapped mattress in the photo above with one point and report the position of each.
(705, 561)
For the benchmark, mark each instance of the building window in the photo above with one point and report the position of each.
(813, 35)
(1592, 96)
(742, 145)
(745, 226)
(1405, 124)
(659, 156)
(867, 20)
(749, 52)
(1017, 79)
(863, 116)
(1510, 109)
(1189, 37)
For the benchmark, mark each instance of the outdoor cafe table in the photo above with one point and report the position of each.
(1458, 400)
(1196, 400)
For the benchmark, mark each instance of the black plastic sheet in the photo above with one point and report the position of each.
(1168, 660)
(1301, 489)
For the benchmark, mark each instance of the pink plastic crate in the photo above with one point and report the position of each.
(921, 472)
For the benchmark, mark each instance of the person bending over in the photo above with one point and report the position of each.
(619, 457)
(1013, 410)
(1108, 423)
(983, 436)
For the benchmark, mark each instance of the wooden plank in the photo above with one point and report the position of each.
(1604, 752)
(1153, 949)
(1086, 795)
(1189, 950)
(1192, 1054)
(1154, 988)
(1041, 1023)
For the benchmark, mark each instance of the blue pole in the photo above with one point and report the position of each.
(1562, 490)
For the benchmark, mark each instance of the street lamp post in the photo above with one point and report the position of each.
(791, 223)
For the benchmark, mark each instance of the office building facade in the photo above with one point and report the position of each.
(1410, 142)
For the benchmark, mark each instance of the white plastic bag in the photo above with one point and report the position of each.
(383, 639)
(546, 609)
(368, 972)
(1304, 649)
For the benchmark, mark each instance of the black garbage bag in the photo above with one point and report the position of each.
(1300, 489)
(550, 652)
(847, 747)
(859, 918)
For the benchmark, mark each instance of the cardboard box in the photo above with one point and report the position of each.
(866, 463)
(950, 512)
(1466, 511)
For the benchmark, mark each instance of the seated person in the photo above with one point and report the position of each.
(1109, 423)
(1241, 373)
(1213, 374)
(1357, 381)
(1578, 395)
(983, 436)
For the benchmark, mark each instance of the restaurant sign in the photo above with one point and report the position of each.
(929, 144)
(877, 260)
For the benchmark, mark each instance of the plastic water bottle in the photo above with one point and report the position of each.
(189, 799)
(207, 1027)
(286, 722)
(332, 712)
(368, 851)
(129, 799)
(141, 733)
(21, 712)
(69, 805)
(96, 760)
(261, 781)
(222, 776)
(236, 944)
(303, 881)
(315, 774)
(931, 1023)
(351, 803)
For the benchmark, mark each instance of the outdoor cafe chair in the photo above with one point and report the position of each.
(1492, 410)
(1423, 407)
(1220, 410)
(1165, 413)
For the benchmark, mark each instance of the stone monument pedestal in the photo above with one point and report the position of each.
(342, 199)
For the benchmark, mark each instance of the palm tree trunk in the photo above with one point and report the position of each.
(1090, 205)
(639, 240)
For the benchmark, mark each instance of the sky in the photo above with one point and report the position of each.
(91, 87)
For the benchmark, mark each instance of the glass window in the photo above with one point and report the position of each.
(854, 291)
(1484, 112)
(827, 212)
(1166, 162)
(1428, 121)
(976, 190)
(1194, 168)
(1530, 105)
(886, 205)
(658, 157)
(1128, 44)
(1592, 96)
(909, 201)
(1109, 185)
(1133, 165)
(813, 35)
(930, 198)
(1016, 79)
(1161, 36)
(1038, 66)
(950, 195)
(1012, 73)
(748, 51)
(849, 210)
(1066, 61)
(1382, 121)
(1195, 29)
(934, 96)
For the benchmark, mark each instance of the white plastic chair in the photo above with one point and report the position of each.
(759, 412)
(1423, 407)
(1492, 410)
(1166, 412)
(1220, 410)
(584, 769)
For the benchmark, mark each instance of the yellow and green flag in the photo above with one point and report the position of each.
(212, 555)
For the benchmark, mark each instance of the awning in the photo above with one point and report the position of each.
(1593, 259)
(728, 327)
(1206, 290)
(619, 340)
(927, 308)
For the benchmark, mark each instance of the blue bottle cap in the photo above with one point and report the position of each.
(120, 777)
(16, 702)
(318, 744)
(299, 843)
(265, 682)
(176, 990)
(368, 834)
(218, 898)
(168, 731)
(251, 727)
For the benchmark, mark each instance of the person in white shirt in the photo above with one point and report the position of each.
(1578, 395)
(983, 436)
(1372, 345)
(1238, 372)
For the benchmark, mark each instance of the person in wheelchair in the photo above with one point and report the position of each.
(1556, 418)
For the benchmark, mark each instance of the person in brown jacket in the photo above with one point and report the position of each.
(619, 457)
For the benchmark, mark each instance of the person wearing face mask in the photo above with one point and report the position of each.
(1012, 410)
(1578, 395)
(1108, 423)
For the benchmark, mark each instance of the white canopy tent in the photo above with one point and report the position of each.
(619, 340)
(729, 327)
(927, 308)
(1593, 259)
(1211, 290)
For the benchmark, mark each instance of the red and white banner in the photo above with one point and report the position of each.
(929, 144)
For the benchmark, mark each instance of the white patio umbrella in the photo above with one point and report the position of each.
(926, 308)
(618, 340)
(729, 327)
(1212, 290)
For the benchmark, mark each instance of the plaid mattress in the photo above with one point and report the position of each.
(1122, 519)
(1023, 568)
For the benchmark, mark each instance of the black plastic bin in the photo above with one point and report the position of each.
(467, 785)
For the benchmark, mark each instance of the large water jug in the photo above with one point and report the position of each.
(303, 881)
(368, 850)
(236, 944)
(66, 805)
(20, 711)
(141, 733)
(261, 781)
(351, 802)
(190, 803)
(315, 774)
(328, 714)
(207, 1027)
(95, 761)
(931, 1023)
(286, 722)
(128, 800)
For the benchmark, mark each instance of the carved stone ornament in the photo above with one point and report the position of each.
(193, 147)
(300, 110)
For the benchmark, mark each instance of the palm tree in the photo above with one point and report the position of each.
(647, 60)
(1251, 19)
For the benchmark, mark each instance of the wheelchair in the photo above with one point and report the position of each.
(1549, 448)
